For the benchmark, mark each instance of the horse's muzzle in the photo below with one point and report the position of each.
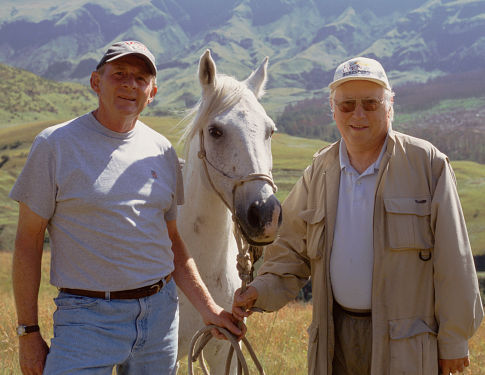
(261, 221)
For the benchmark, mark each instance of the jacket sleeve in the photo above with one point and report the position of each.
(286, 266)
(458, 306)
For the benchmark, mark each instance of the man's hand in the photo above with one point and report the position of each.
(221, 318)
(448, 366)
(32, 353)
(243, 302)
(189, 281)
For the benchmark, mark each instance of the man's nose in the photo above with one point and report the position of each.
(129, 80)
(359, 110)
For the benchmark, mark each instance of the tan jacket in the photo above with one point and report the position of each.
(425, 295)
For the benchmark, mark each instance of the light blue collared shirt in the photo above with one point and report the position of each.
(352, 259)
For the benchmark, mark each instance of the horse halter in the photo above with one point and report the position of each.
(249, 252)
(238, 180)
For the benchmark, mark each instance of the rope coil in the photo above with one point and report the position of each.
(203, 336)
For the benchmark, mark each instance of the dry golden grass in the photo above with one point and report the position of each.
(279, 339)
(477, 352)
(8, 319)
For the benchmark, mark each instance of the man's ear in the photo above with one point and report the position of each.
(94, 81)
(152, 93)
(391, 109)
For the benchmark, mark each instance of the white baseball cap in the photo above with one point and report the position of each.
(360, 68)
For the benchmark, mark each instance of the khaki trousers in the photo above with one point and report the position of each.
(353, 343)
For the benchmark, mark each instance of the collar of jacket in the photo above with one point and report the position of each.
(331, 153)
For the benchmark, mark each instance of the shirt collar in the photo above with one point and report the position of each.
(345, 161)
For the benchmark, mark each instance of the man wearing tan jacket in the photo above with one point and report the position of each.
(377, 223)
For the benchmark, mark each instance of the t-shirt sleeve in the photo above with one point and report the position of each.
(178, 199)
(36, 186)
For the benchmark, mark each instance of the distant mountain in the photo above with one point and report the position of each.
(304, 39)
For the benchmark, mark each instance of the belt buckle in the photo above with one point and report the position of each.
(157, 288)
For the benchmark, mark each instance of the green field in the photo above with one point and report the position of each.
(290, 156)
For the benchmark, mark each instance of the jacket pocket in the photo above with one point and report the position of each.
(408, 223)
(315, 220)
(413, 347)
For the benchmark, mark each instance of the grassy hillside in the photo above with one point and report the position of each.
(28, 97)
(471, 188)
(290, 155)
(448, 111)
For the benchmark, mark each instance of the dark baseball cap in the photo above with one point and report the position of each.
(130, 47)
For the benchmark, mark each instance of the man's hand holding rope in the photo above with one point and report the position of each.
(243, 301)
(221, 318)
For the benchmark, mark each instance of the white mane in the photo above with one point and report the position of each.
(227, 92)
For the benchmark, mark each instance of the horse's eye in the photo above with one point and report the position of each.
(215, 132)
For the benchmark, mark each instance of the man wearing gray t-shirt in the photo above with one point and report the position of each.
(106, 187)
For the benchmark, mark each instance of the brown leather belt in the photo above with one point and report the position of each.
(363, 314)
(360, 314)
(142, 292)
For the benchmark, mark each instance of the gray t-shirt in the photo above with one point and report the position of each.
(107, 196)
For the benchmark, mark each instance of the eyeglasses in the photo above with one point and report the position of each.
(349, 105)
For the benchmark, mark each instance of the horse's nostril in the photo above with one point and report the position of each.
(261, 213)
(254, 214)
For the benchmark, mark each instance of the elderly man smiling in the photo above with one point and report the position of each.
(376, 222)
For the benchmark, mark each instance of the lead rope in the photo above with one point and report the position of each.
(203, 336)
(247, 256)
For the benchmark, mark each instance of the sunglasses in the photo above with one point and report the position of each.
(349, 105)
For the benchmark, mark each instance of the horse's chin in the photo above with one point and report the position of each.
(259, 243)
(257, 240)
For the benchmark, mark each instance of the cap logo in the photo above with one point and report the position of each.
(356, 67)
(136, 46)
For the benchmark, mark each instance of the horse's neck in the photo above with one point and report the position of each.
(204, 220)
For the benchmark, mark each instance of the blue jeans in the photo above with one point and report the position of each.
(93, 335)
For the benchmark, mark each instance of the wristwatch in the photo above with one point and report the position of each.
(24, 330)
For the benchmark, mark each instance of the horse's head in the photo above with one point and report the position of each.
(234, 139)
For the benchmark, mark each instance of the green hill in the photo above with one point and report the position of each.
(448, 111)
(28, 97)
(290, 155)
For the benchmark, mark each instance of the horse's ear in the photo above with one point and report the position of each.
(207, 70)
(257, 80)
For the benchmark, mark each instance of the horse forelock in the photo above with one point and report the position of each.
(227, 93)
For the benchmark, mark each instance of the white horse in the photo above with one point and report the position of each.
(231, 135)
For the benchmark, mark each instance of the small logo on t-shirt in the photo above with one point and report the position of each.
(154, 174)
